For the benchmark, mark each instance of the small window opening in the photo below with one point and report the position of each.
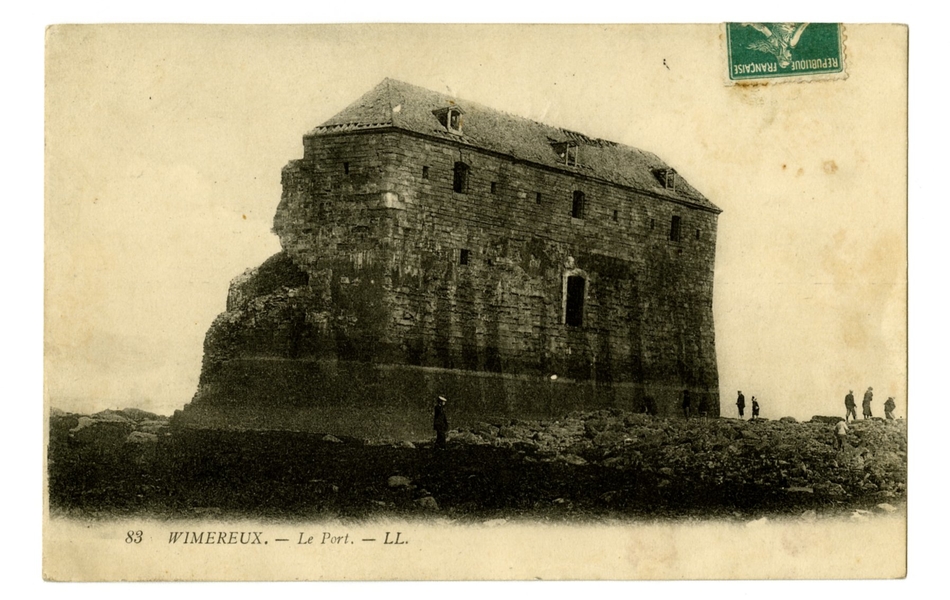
(463, 256)
(494, 187)
(652, 223)
(615, 215)
(666, 177)
(460, 179)
(537, 198)
(425, 172)
(675, 229)
(567, 152)
(450, 117)
(346, 168)
(697, 234)
(574, 308)
(577, 209)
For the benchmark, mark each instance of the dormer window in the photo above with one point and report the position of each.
(567, 152)
(666, 177)
(451, 118)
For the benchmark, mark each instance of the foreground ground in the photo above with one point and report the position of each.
(603, 464)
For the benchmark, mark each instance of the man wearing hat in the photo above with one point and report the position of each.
(850, 406)
(866, 405)
(440, 423)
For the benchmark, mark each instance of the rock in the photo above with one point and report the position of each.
(800, 489)
(101, 432)
(398, 481)
(666, 471)
(332, 439)
(111, 415)
(594, 426)
(405, 444)
(885, 507)
(138, 437)
(494, 522)
(508, 432)
(859, 516)
(809, 516)
(485, 429)
(825, 420)
(379, 442)
(571, 459)
(609, 438)
(788, 420)
(137, 414)
(152, 426)
(826, 488)
(465, 437)
(757, 522)
(83, 423)
(428, 503)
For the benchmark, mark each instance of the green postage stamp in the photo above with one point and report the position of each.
(784, 51)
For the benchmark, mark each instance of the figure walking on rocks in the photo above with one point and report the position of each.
(755, 408)
(866, 405)
(889, 407)
(841, 432)
(740, 402)
(850, 407)
(440, 423)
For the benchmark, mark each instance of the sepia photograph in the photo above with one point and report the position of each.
(476, 302)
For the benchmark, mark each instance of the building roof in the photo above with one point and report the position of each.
(395, 104)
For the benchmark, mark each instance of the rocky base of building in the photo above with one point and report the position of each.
(589, 465)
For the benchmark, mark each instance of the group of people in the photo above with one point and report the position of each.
(841, 427)
(740, 404)
(851, 407)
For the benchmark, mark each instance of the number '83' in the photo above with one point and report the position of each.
(133, 537)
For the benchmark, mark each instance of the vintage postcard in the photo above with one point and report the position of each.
(389, 302)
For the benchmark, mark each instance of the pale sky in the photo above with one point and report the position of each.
(165, 146)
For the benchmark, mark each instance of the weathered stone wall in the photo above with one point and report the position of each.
(372, 218)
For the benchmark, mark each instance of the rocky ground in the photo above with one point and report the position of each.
(604, 464)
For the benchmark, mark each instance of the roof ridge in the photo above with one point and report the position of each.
(410, 107)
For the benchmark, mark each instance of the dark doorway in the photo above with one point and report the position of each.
(574, 314)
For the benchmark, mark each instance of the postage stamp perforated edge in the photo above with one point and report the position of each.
(768, 79)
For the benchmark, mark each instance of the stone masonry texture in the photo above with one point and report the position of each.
(398, 283)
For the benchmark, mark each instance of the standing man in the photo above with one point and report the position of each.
(440, 423)
(686, 404)
(849, 406)
(841, 432)
(866, 405)
(740, 402)
(755, 408)
(889, 407)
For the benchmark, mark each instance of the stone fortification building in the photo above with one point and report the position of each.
(433, 246)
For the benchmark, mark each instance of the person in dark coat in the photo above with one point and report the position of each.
(686, 403)
(849, 405)
(889, 407)
(755, 408)
(740, 402)
(866, 405)
(440, 423)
